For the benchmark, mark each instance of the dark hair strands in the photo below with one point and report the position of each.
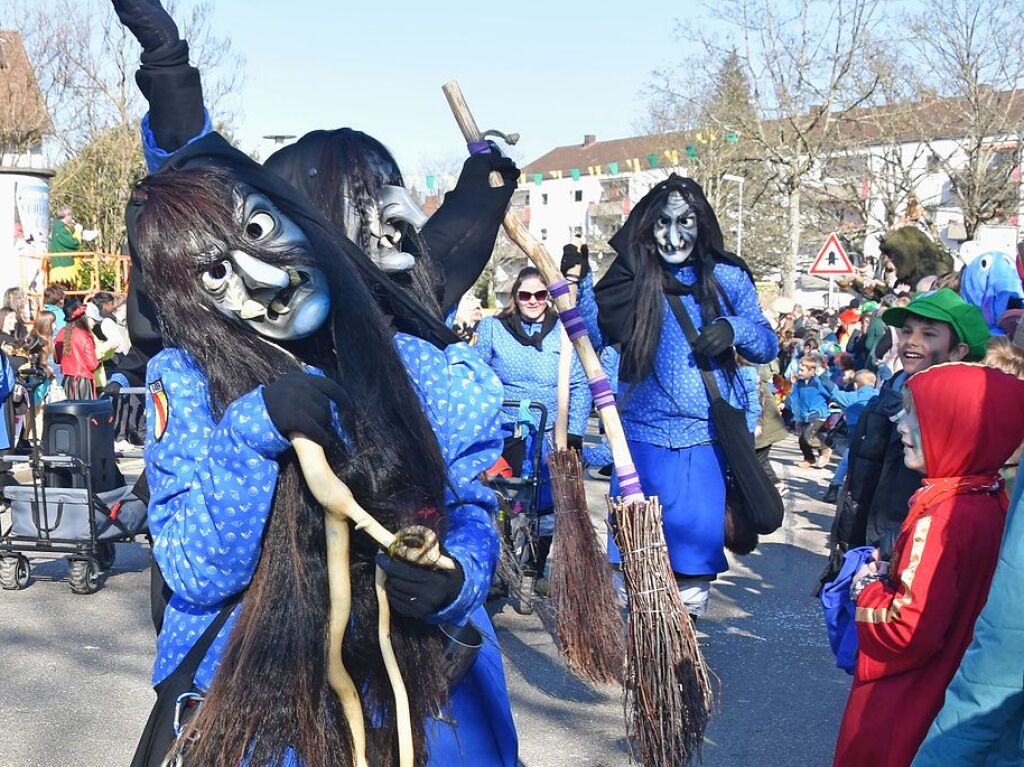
(271, 693)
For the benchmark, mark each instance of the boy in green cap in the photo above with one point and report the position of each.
(934, 328)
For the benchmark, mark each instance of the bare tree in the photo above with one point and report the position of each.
(969, 66)
(804, 61)
(85, 62)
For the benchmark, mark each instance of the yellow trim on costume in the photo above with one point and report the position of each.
(905, 595)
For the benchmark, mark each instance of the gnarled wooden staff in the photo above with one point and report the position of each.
(658, 623)
(416, 544)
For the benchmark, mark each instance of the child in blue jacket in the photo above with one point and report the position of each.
(853, 404)
(810, 409)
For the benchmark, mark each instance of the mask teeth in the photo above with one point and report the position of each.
(278, 307)
(252, 309)
(294, 278)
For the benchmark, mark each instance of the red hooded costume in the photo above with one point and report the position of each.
(914, 627)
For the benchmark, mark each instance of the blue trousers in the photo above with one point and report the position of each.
(690, 484)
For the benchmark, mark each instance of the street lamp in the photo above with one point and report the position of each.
(739, 216)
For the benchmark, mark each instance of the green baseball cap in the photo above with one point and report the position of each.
(946, 306)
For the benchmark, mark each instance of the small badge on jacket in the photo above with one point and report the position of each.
(161, 407)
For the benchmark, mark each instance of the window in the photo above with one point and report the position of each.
(578, 231)
(614, 189)
(544, 198)
(577, 196)
(544, 232)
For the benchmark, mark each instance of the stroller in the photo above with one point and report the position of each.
(77, 504)
(521, 519)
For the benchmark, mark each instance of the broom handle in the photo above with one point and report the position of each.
(629, 483)
(564, 374)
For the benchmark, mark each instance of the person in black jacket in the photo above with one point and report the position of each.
(933, 328)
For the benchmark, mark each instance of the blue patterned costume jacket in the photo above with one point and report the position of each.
(531, 374)
(212, 485)
(670, 407)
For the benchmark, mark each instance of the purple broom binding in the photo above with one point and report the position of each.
(558, 288)
(573, 323)
(601, 389)
(629, 483)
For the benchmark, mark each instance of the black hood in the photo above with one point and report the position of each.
(213, 150)
(614, 292)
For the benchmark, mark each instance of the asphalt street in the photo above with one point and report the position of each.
(74, 670)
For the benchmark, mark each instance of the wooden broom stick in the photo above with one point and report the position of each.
(629, 483)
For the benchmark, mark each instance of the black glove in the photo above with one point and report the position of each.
(477, 169)
(415, 591)
(147, 20)
(572, 257)
(714, 339)
(112, 389)
(301, 403)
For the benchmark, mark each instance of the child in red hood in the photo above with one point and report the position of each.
(961, 422)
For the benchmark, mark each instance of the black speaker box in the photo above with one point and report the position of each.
(83, 429)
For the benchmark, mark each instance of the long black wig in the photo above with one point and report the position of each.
(630, 295)
(271, 693)
(342, 172)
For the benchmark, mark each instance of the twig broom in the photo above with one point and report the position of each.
(587, 618)
(672, 674)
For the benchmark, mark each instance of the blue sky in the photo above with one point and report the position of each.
(551, 71)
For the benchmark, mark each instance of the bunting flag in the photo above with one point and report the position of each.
(665, 158)
(431, 183)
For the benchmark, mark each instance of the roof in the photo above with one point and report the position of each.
(903, 122)
(593, 152)
(23, 113)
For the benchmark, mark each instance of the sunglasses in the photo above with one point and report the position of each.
(525, 295)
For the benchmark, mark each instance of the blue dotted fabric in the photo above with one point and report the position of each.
(751, 383)
(531, 374)
(6, 389)
(670, 407)
(212, 486)
(154, 155)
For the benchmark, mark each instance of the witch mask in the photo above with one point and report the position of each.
(279, 302)
(675, 230)
(388, 219)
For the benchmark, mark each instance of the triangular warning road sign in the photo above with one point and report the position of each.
(832, 259)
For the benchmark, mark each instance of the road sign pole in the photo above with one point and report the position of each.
(831, 288)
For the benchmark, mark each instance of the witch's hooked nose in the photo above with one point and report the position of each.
(257, 274)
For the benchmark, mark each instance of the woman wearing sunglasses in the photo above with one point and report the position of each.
(522, 344)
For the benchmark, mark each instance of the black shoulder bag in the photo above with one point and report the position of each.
(158, 737)
(753, 496)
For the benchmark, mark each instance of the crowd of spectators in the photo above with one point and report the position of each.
(67, 348)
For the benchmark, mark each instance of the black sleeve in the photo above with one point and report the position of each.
(175, 94)
(462, 232)
(615, 303)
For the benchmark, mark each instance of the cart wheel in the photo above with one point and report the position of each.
(14, 572)
(83, 575)
(105, 554)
